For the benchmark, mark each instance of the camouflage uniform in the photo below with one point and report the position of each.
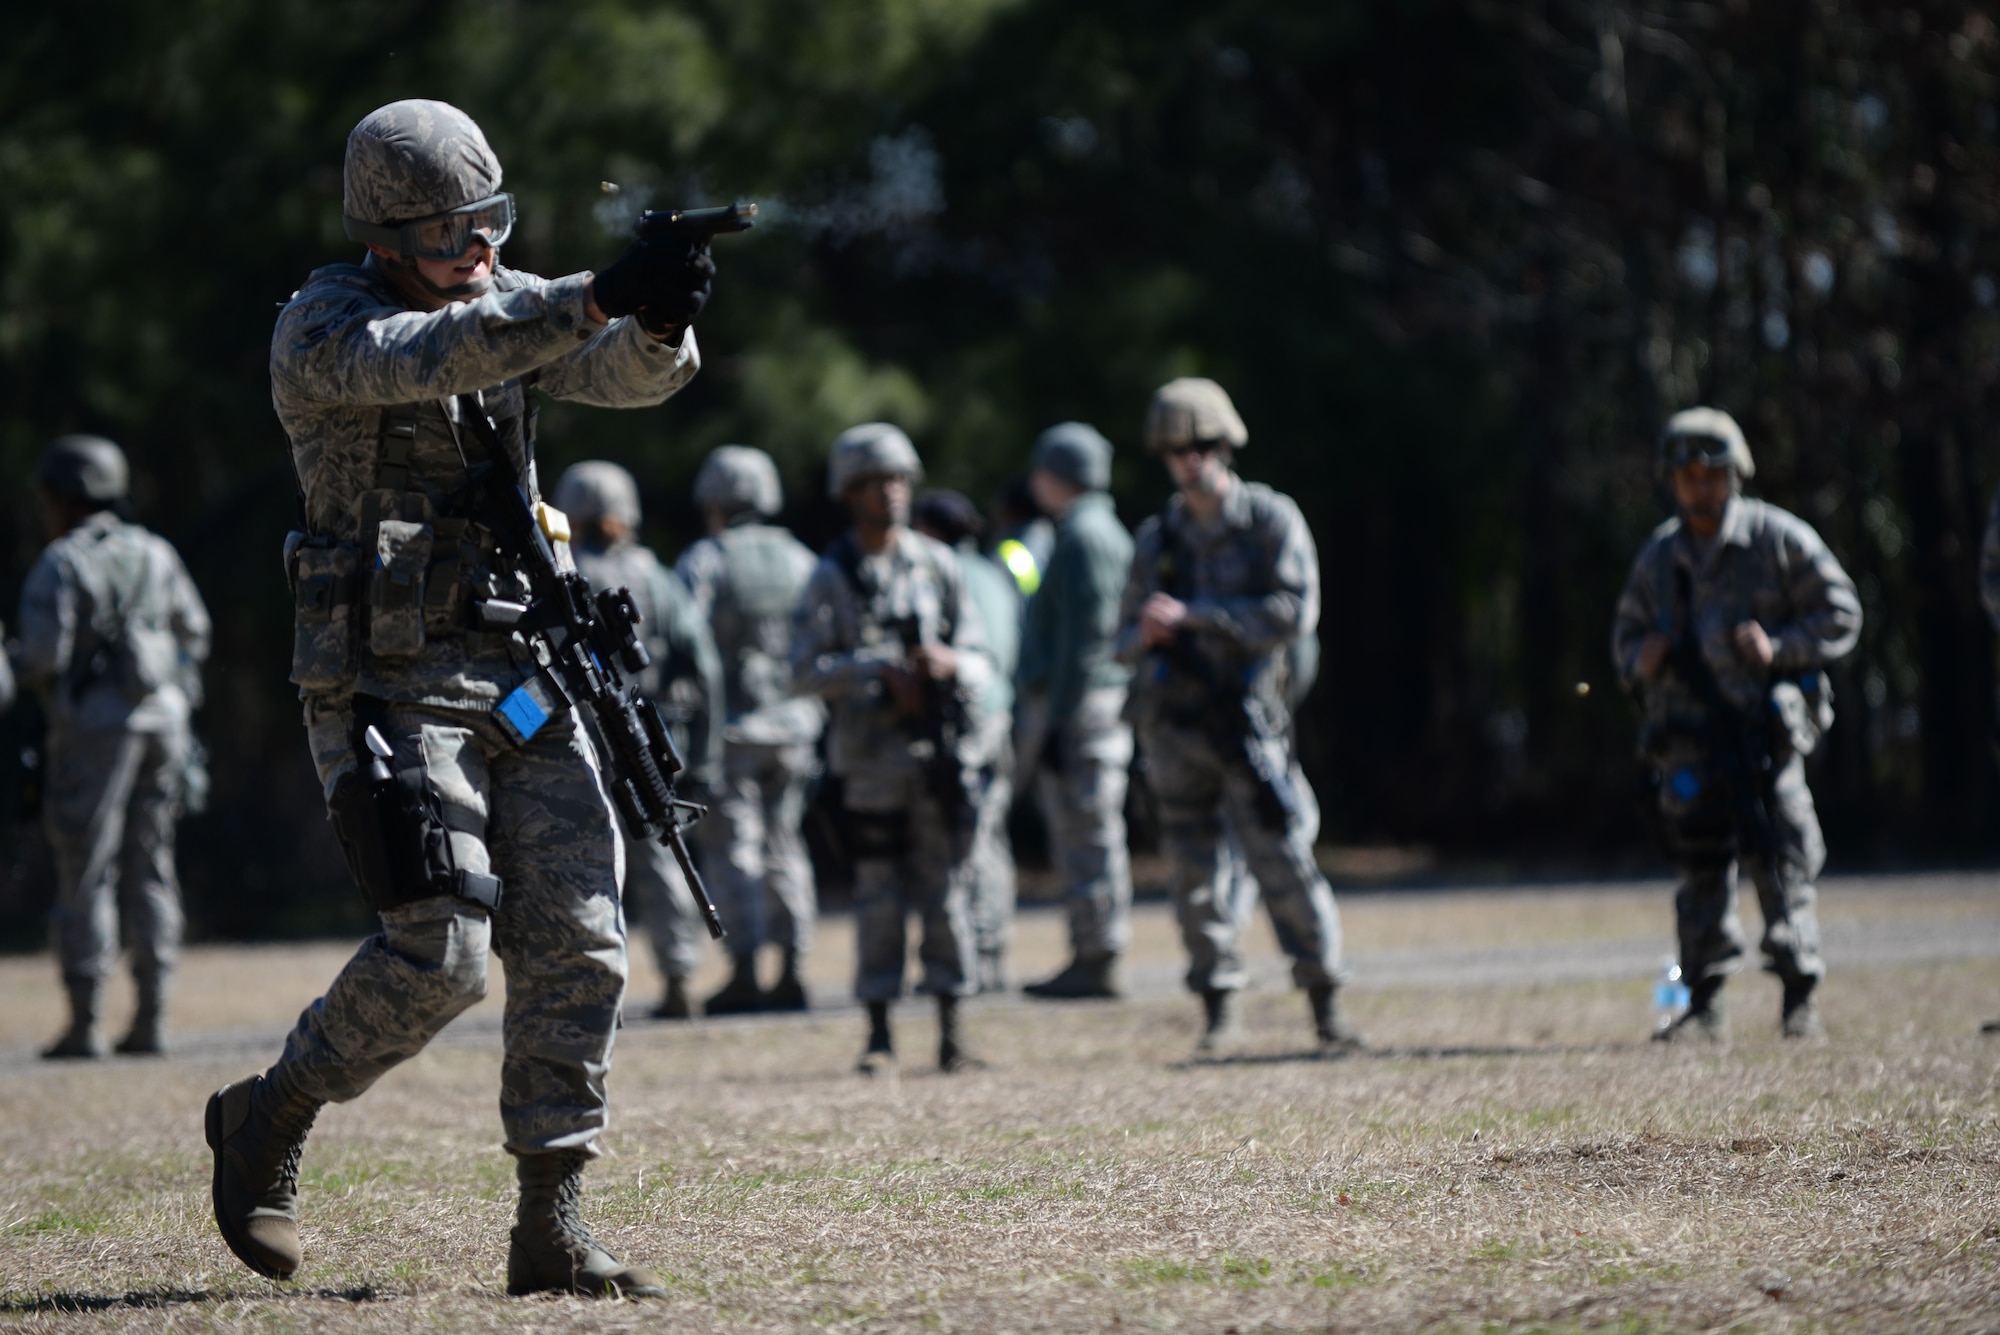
(1770, 567)
(1251, 585)
(910, 851)
(361, 383)
(991, 591)
(746, 582)
(686, 680)
(111, 633)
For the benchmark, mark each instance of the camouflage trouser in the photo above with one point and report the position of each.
(1703, 838)
(752, 852)
(1199, 791)
(991, 867)
(559, 930)
(1080, 784)
(112, 801)
(658, 896)
(908, 857)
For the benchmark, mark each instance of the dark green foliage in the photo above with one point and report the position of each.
(1456, 263)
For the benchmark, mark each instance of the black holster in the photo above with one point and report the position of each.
(394, 831)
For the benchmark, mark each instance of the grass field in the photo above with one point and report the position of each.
(1512, 1155)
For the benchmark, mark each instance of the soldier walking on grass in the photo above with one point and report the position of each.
(1074, 744)
(1724, 631)
(886, 634)
(471, 821)
(112, 634)
(602, 503)
(1224, 582)
(951, 518)
(746, 577)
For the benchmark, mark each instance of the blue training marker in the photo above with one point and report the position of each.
(522, 713)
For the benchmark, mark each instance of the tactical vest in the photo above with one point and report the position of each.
(753, 616)
(421, 563)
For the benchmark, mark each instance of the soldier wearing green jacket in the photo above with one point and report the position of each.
(1073, 742)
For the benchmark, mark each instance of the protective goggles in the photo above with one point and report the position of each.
(442, 236)
(1712, 451)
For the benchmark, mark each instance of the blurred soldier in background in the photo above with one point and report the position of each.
(1223, 583)
(951, 518)
(746, 577)
(1075, 745)
(112, 635)
(685, 679)
(1733, 610)
(887, 634)
(486, 825)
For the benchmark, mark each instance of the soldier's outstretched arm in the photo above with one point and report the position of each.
(622, 366)
(336, 342)
(1828, 620)
(1261, 623)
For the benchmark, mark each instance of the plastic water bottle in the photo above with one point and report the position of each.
(1670, 994)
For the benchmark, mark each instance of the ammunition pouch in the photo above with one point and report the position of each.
(396, 835)
(324, 581)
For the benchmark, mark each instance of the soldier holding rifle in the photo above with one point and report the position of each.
(1733, 611)
(1224, 582)
(887, 635)
(444, 656)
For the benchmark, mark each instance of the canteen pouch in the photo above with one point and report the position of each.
(396, 587)
(324, 579)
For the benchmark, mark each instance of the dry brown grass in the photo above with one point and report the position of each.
(1509, 1159)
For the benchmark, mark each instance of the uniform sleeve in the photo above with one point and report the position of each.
(1262, 623)
(1637, 615)
(336, 342)
(621, 367)
(1089, 572)
(701, 569)
(48, 623)
(189, 614)
(1140, 584)
(694, 645)
(1827, 612)
(825, 662)
(977, 667)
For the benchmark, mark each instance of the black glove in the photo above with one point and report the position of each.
(667, 278)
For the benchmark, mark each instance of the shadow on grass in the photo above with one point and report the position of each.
(159, 1298)
(1439, 1052)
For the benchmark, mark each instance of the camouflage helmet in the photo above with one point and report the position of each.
(1077, 453)
(1705, 435)
(870, 450)
(83, 468)
(596, 490)
(422, 162)
(1192, 411)
(735, 478)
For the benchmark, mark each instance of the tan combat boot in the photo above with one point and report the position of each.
(551, 1251)
(257, 1128)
